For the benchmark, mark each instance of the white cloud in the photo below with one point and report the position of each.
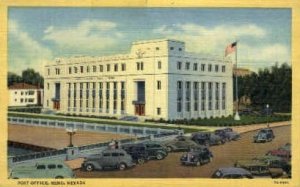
(88, 35)
(253, 50)
(209, 40)
(24, 51)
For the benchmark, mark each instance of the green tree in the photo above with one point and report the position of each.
(31, 77)
(13, 78)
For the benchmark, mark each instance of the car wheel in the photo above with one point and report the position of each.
(141, 161)
(169, 149)
(89, 167)
(122, 166)
(198, 163)
(159, 156)
(59, 177)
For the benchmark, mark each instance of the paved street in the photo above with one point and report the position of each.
(224, 155)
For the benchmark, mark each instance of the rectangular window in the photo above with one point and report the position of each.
(70, 70)
(217, 96)
(75, 70)
(158, 111)
(159, 64)
(100, 96)
(216, 68)
(137, 66)
(210, 96)
(48, 71)
(224, 96)
(187, 65)
(179, 65)
(196, 97)
(81, 69)
(48, 86)
(115, 94)
(88, 69)
(188, 96)
(142, 65)
(122, 97)
(223, 68)
(107, 96)
(202, 67)
(157, 48)
(123, 67)
(94, 68)
(171, 48)
(69, 95)
(74, 94)
(203, 96)
(158, 85)
(80, 95)
(195, 67)
(179, 96)
(101, 68)
(116, 67)
(107, 67)
(209, 67)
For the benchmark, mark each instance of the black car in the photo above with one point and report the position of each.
(207, 139)
(197, 157)
(142, 152)
(227, 134)
(264, 135)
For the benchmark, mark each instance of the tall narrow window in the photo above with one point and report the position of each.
(203, 96)
(70, 70)
(209, 67)
(179, 96)
(100, 96)
(107, 67)
(101, 68)
(224, 96)
(217, 96)
(137, 66)
(116, 67)
(115, 97)
(122, 97)
(158, 111)
(159, 85)
(142, 65)
(195, 67)
(74, 97)
(75, 70)
(223, 69)
(216, 68)
(81, 69)
(179, 65)
(87, 69)
(188, 96)
(93, 96)
(159, 64)
(196, 98)
(69, 96)
(94, 68)
(80, 96)
(107, 96)
(202, 67)
(48, 70)
(187, 65)
(210, 96)
(87, 96)
(123, 67)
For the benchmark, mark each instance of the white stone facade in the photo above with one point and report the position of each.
(157, 79)
(24, 95)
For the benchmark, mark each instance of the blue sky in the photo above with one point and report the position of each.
(38, 35)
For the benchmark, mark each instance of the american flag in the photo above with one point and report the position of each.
(230, 48)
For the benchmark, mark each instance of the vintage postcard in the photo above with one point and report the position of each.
(149, 93)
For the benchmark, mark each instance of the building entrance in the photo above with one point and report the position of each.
(139, 104)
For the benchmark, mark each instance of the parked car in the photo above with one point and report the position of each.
(275, 162)
(264, 135)
(180, 143)
(227, 134)
(232, 173)
(197, 157)
(206, 138)
(282, 153)
(142, 152)
(42, 169)
(286, 147)
(246, 111)
(110, 158)
(259, 167)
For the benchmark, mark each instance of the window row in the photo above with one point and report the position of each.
(202, 95)
(202, 67)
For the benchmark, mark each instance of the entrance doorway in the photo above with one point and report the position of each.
(139, 104)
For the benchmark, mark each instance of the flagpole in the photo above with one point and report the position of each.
(236, 116)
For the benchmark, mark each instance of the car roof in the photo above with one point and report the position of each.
(114, 151)
(234, 170)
